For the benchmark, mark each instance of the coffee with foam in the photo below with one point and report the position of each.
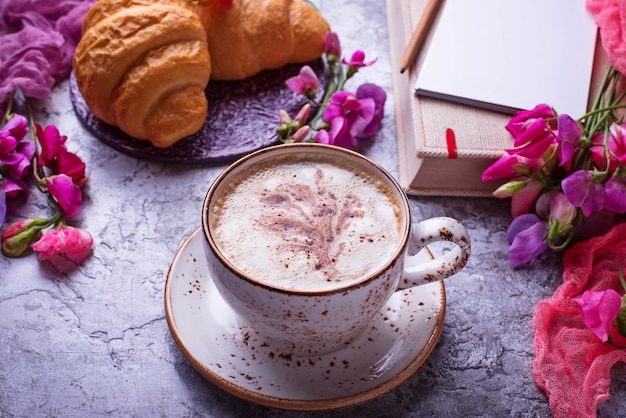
(307, 224)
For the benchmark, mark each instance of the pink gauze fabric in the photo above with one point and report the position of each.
(571, 364)
(610, 16)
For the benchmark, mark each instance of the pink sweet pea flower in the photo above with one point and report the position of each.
(523, 200)
(65, 192)
(348, 117)
(615, 195)
(533, 141)
(51, 142)
(511, 166)
(305, 83)
(569, 136)
(527, 234)
(370, 90)
(15, 192)
(598, 310)
(64, 246)
(358, 60)
(17, 126)
(583, 192)
(70, 164)
(523, 119)
(615, 142)
(332, 46)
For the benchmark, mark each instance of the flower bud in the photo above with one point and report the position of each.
(509, 189)
(284, 118)
(303, 114)
(18, 237)
(301, 134)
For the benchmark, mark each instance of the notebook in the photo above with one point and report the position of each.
(509, 55)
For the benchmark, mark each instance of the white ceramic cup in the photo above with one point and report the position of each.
(318, 319)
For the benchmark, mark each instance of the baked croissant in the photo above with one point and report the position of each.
(143, 65)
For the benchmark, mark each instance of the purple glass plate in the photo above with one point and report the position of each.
(242, 117)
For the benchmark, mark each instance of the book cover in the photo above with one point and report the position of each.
(443, 146)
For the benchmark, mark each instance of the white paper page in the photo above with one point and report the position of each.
(514, 54)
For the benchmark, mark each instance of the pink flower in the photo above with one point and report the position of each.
(598, 310)
(520, 122)
(527, 235)
(305, 83)
(616, 144)
(66, 193)
(17, 126)
(523, 200)
(348, 117)
(510, 167)
(583, 191)
(369, 90)
(358, 60)
(51, 142)
(610, 16)
(533, 141)
(64, 243)
(15, 191)
(332, 46)
(569, 136)
(70, 164)
(615, 195)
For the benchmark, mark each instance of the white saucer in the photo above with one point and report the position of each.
(237, 359)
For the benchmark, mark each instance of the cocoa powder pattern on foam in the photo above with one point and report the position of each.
(309, 221)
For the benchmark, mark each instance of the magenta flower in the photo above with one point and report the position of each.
(511, 166)
(66, 193)
(527, 235)
(7, 143)
(520, 122)
(51, 142)
(615, 195)
(369, 90)
(17, 127)
(598, 310)
(15, 192)
(349, 117)
(70, 164)
(533, 141)
(358, 60)
(583, 191)
(64, 243)
(322, 137)
(305, 83)
(616, 144)
(569, 136)
(523, 200)
(332, 46)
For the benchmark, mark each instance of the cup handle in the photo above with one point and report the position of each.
(427, 232)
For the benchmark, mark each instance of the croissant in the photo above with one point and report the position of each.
(143, 65)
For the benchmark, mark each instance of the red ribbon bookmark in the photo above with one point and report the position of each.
(451, 144)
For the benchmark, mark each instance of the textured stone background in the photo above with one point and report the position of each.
(96, 342)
